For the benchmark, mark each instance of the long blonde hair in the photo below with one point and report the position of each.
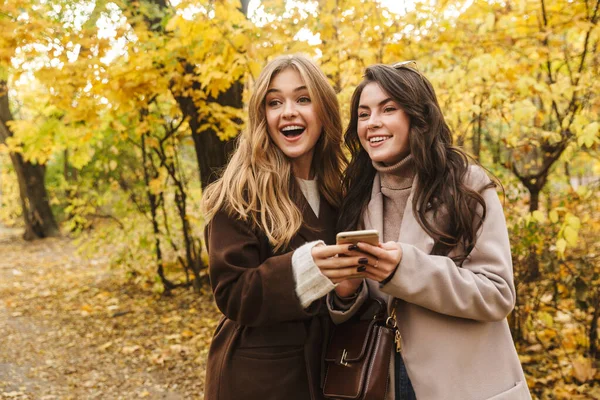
(256, 183)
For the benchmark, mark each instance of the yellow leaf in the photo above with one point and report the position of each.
(524, 112)
(553, 216)
(583, 370)
(561, 245)
(589, 135)
(156, 186)
(573, 221)
(570, 235)
(539, 216)
(547, 320)
(130, 349)
(105, 346)
(255, 68)
(172, 24)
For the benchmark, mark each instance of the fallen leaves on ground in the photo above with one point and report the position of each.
(72, 328)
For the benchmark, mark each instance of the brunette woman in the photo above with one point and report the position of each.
(444, 264)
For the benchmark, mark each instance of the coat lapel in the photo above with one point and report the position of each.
(411, 231)
(313, 228)
(373, 217)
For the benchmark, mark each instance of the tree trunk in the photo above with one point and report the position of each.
(211, 152)
(38, 217)
(533, 262)
(153, 200)
(477, 137)
(534, 199)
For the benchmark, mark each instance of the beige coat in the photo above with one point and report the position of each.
(456, 342)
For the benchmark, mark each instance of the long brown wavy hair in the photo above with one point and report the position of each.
(440, 166)
(257, 185)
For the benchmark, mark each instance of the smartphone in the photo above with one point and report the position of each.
(370, 236)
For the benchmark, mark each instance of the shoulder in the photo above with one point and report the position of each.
(225, 223)
(476, 178)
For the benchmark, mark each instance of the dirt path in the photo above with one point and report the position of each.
(74, 329)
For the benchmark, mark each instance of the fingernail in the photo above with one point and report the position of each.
(363, 260)
(362, 268)
(353, 247)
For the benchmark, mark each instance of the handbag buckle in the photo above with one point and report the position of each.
(391, 322)
(342, 359)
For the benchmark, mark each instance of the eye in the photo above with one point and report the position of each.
(389, 109)
(304, 100)
(362, 115)
(273, 103)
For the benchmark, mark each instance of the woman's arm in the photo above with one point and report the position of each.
(482, 289)
(318, 269)
(249, 290)
(342, 309)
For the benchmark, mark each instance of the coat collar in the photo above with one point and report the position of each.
(411, 231)
(321, 227)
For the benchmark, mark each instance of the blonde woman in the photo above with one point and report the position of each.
(276, 200)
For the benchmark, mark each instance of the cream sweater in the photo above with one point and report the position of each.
(311, 284)
(396, 183)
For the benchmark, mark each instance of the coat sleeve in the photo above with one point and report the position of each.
(248, 290)
(482, 289)
(339, 311)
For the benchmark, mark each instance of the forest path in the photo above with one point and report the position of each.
(71, 328)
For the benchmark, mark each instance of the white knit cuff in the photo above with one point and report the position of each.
(311, 284)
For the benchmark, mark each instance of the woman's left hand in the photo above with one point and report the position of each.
(388, 255)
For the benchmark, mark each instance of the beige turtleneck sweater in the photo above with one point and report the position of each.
(396, 184)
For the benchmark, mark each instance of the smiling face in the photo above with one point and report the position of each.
(383, 127)
(292, 120)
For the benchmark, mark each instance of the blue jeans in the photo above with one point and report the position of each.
(404, 389)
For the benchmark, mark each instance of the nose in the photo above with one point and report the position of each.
(374, 123)
(289, 110)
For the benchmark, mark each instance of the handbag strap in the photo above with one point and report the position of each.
(392, 323)
(379, 312)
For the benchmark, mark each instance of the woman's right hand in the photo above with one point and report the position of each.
(342, 264)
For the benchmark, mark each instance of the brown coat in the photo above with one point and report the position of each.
(266, 346)
(456, 342)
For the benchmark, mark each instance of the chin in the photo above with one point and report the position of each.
(380, 158)
(291, 153)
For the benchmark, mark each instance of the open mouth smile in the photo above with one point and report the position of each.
(378, 139)
(292, 130)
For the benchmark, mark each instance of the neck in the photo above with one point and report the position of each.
(302, 168)
(397, 176)
(400, 158)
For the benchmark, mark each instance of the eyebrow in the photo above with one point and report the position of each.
(298, 89)
(382, 102)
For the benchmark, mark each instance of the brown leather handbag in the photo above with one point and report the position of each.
(358, 355)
